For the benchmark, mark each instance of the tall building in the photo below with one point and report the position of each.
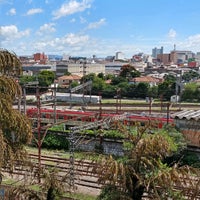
(41, 58)
(180, 57)
(119, 56)
(156, 51)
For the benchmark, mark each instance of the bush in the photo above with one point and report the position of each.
(53, 141)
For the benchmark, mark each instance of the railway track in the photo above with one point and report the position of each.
(84, 180)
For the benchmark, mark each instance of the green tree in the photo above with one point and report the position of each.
(46, 78)
(167, 89)
(15, 128)
(188, 76)
(129, 71)
(153, 91)
(142, 170)
(67, 73)
(191, 92)
(141, 90)
(109, 91)
(26, 79)
(98, 85)
(101, 75)
(118, 79)
(9, 63)
(170, 78)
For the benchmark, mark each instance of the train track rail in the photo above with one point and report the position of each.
(84, 180)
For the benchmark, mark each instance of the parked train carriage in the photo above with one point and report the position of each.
(62, 114)
(89, 116)
(156, 122)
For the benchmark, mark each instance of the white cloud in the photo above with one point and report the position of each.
(71, 41)
(192, 42)
(46, 28)
(11, 32)
(172, 33)
(12, 11)
(95, 25)
(71, 7)
(34, 11)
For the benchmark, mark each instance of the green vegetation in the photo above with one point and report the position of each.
(143, 168)
(15, 128)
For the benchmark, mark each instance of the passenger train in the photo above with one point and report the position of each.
(90, 116)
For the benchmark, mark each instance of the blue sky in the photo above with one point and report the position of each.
(99, 27)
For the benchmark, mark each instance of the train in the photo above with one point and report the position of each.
(129, 119)
(72, 98)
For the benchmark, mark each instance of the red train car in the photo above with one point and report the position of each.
(154, 121)
(89, 116)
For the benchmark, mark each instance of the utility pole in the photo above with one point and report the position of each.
(54, 102)
(150, 103)
(38, 129)
(168, 104)
(118, 101)
(24, 99)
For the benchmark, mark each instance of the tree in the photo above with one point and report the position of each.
(129, 71)
(9, 63)
(26, 79)
(167, 89)
(188, 76)
(15, 128)
(117, 80)
(191, 92)
(46, 78)
(141, 90)
(142, 169)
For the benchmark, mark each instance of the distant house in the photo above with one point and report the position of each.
(152, 81)
(64, 81)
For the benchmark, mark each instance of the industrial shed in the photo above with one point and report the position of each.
(188, 121)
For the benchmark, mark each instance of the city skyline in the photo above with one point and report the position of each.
(98, 27)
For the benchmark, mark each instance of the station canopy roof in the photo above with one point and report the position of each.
(187, 114)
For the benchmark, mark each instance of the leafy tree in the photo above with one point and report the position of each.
(109, 91)
(188, 76)
(191, 92)
(67, 73)
(141, 90)
(123, 88)
(98, 85)
(46, 78)
(74, 84)
(26, 79)
(142, 170)
(116, 80)
(170, 78)
(135, 73)
(131, 90)
(9, 63)
(88, 77)
(109, 76)
(101, 75)
(153, 91)
(129, 71)
(167, 89)
(15, 128)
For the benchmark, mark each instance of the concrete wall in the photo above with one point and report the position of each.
(109, 146)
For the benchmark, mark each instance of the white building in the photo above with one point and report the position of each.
(119, 56)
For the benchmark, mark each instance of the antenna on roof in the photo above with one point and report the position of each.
(174, 47)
